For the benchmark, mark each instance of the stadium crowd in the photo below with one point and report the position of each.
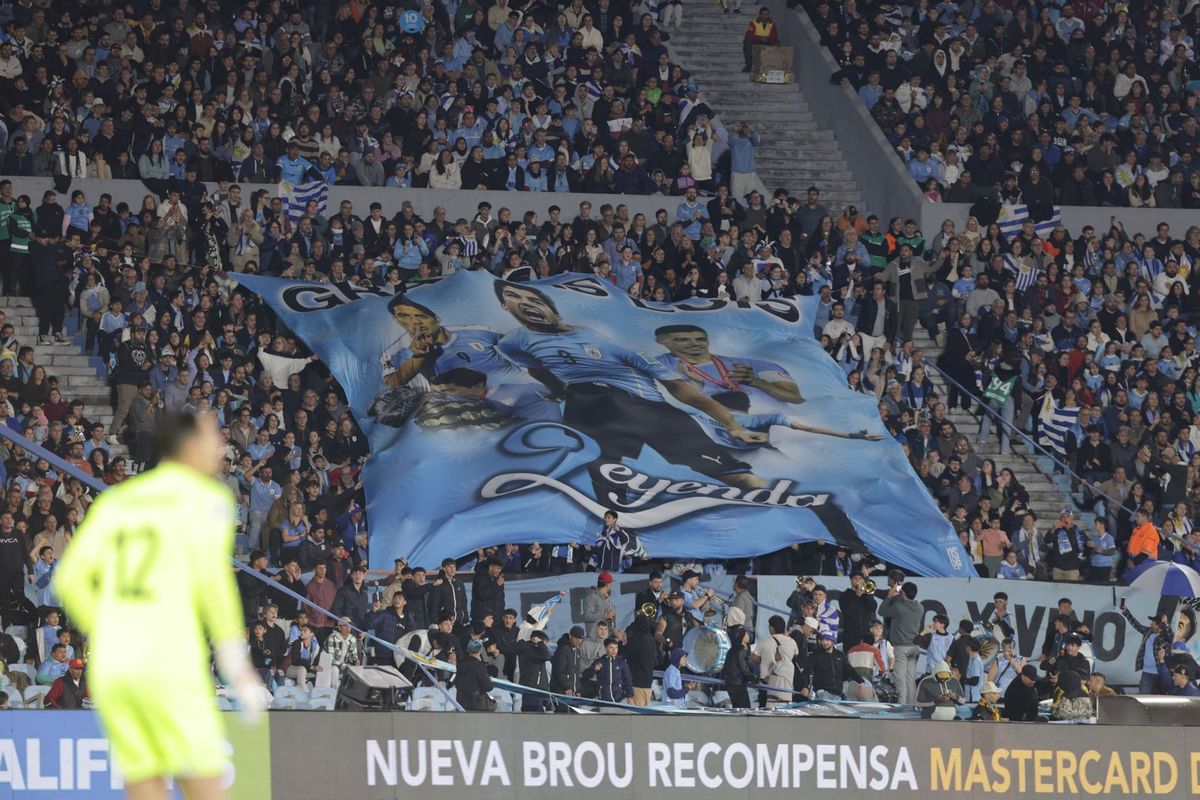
(527, 96)
(1102, 325)
(189, 339)
(1077, 103)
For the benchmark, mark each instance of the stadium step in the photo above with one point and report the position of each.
(1049, 492)
(80, 376)
(795, 151)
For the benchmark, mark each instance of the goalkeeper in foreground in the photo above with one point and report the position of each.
(148, 572)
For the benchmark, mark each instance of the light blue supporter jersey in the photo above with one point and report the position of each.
(581, 355)
(472, 348)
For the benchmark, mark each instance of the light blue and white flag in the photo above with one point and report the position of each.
(1013, 216)
(295, 197)
(1055, 424)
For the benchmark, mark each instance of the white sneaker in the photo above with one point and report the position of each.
(43, 341)
(60, 339)
(112, 439)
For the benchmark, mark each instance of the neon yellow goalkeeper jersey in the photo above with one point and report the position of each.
(148, 575)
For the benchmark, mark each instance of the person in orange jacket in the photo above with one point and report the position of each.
(1143, 543)
(761, 30)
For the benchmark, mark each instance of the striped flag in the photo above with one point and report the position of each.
(296, 196)
(1055, 423)
(1024, 270)
(1012, 216)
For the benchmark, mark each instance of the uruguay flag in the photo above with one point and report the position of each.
(1023, 270)
(1055, 423)
(296, 196)
(1012, 216)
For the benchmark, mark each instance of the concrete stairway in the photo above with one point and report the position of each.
(1049, 492)
(795, 152)
(80, 377)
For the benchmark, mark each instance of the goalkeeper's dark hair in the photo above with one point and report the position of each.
(172, 433)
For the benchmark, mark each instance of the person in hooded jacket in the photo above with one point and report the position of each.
(566, 666)
(532, 655)
(641, 654)
(674, 692)
(737, 671)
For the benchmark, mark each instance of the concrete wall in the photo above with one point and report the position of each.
(1144, 220)
(457, 203)
(887, 188)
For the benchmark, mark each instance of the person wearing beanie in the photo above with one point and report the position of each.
(673, 691)
(472, 682)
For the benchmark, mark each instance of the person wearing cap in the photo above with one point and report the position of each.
(831, 669)
(134, 360)
(696, 599)
(1066, 548)
(1156, 635)
(567, 665)
(987, 710)
(472, 681)
(598, 603)
(344, 648)
(71, 690)
(1021, 698)
(939, 693)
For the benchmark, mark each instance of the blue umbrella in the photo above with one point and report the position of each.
(1169, 580)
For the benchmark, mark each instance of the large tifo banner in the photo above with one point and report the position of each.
(503, 412)
(1033, 605)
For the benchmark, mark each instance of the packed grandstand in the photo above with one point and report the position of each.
(1075, 348)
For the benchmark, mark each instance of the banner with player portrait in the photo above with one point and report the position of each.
(520, 412)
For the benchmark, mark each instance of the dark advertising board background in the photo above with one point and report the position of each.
(452, 756)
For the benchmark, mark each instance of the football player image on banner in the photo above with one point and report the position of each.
(520, 412)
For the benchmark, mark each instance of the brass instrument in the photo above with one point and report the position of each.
(801, 580)
(649, 610)
(869, 587)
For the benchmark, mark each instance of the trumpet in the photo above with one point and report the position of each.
(869, 587)
(801, 580)
(649, 609)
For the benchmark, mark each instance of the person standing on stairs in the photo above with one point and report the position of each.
(742, 144)
(672, 10)
(761, 30)
(957, 362)
(732, 6)
(1004, 369)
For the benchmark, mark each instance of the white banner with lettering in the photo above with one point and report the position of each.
(1033, 605)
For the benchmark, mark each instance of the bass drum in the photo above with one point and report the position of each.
(706, 649)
